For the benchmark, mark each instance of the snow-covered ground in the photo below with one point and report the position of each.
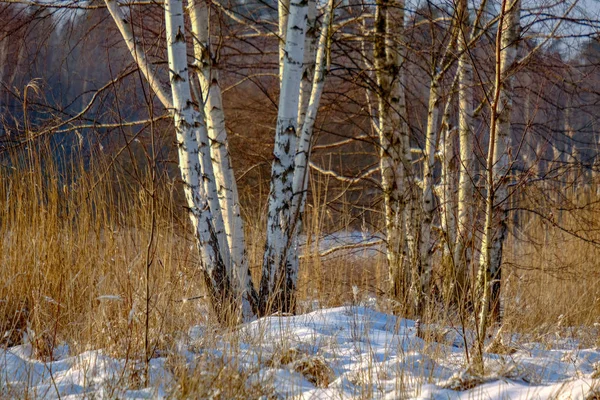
(345, 352)
(349, 244)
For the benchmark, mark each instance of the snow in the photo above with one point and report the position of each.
(345, 352)
(91, 372)
(369, 244)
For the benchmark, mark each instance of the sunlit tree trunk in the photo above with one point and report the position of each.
(308, 65)
(283, 12)
(194, 156)
(446, 192)
(424, 264)
(302, 158)
(226, 185)
(498, 166)
(428, 199)
(393, 135)
(465, 215)
(187, 123)
(278, 282)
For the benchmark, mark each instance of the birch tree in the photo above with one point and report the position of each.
(192, 144)
(279, 278)
(394, 139)
(446, 192)
(308, 64)
(205, 163)
(306, 122)
(283, 11)
(464, 224)
(440, 67)
(498, 165)
(228, 198)
(440, 145)
(191, 135)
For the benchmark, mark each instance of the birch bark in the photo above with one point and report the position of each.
(278, 282)
(283, 12)
(137, 52)
(308, 64)
(226, 184)
(187, 124)
(393, 133)
(462, 253)
(498, 165)
(447, 195)
(302, 158)
(209, 182)
(428, 199)
(428, 206)
(194, 158)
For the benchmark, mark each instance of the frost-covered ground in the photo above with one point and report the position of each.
(346, 352)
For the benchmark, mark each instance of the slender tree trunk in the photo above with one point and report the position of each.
(210, 186)
(498, 167)
(278, 282)
(137, 52)
(447, 195)
(394, 157)
(226, 184)
(187, 123)
(465, 226)
(302, 158)
(283, 12)
(501, 157)
(193, 152)
(428, 205)
(308, 64)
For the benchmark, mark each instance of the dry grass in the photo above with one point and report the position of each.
(213, 378)
(73, 254)
(72, 249)
(552, 280)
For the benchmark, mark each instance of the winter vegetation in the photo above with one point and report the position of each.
(300, 199)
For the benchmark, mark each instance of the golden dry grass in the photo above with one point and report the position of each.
(551, 277)
(74, 241)
(73, 249)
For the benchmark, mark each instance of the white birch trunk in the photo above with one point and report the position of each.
(223, 170)
(425, 250)
(283, 12)
(210, 185)
(192, 140)
(428, 199)
(278, 282)
(187, 124)
(137, 52)
(448, 192)
(308, 65)
(465, 226)
(447, 196)
(501, 156)
(301, 168)
(393, 132)
(498, 165)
